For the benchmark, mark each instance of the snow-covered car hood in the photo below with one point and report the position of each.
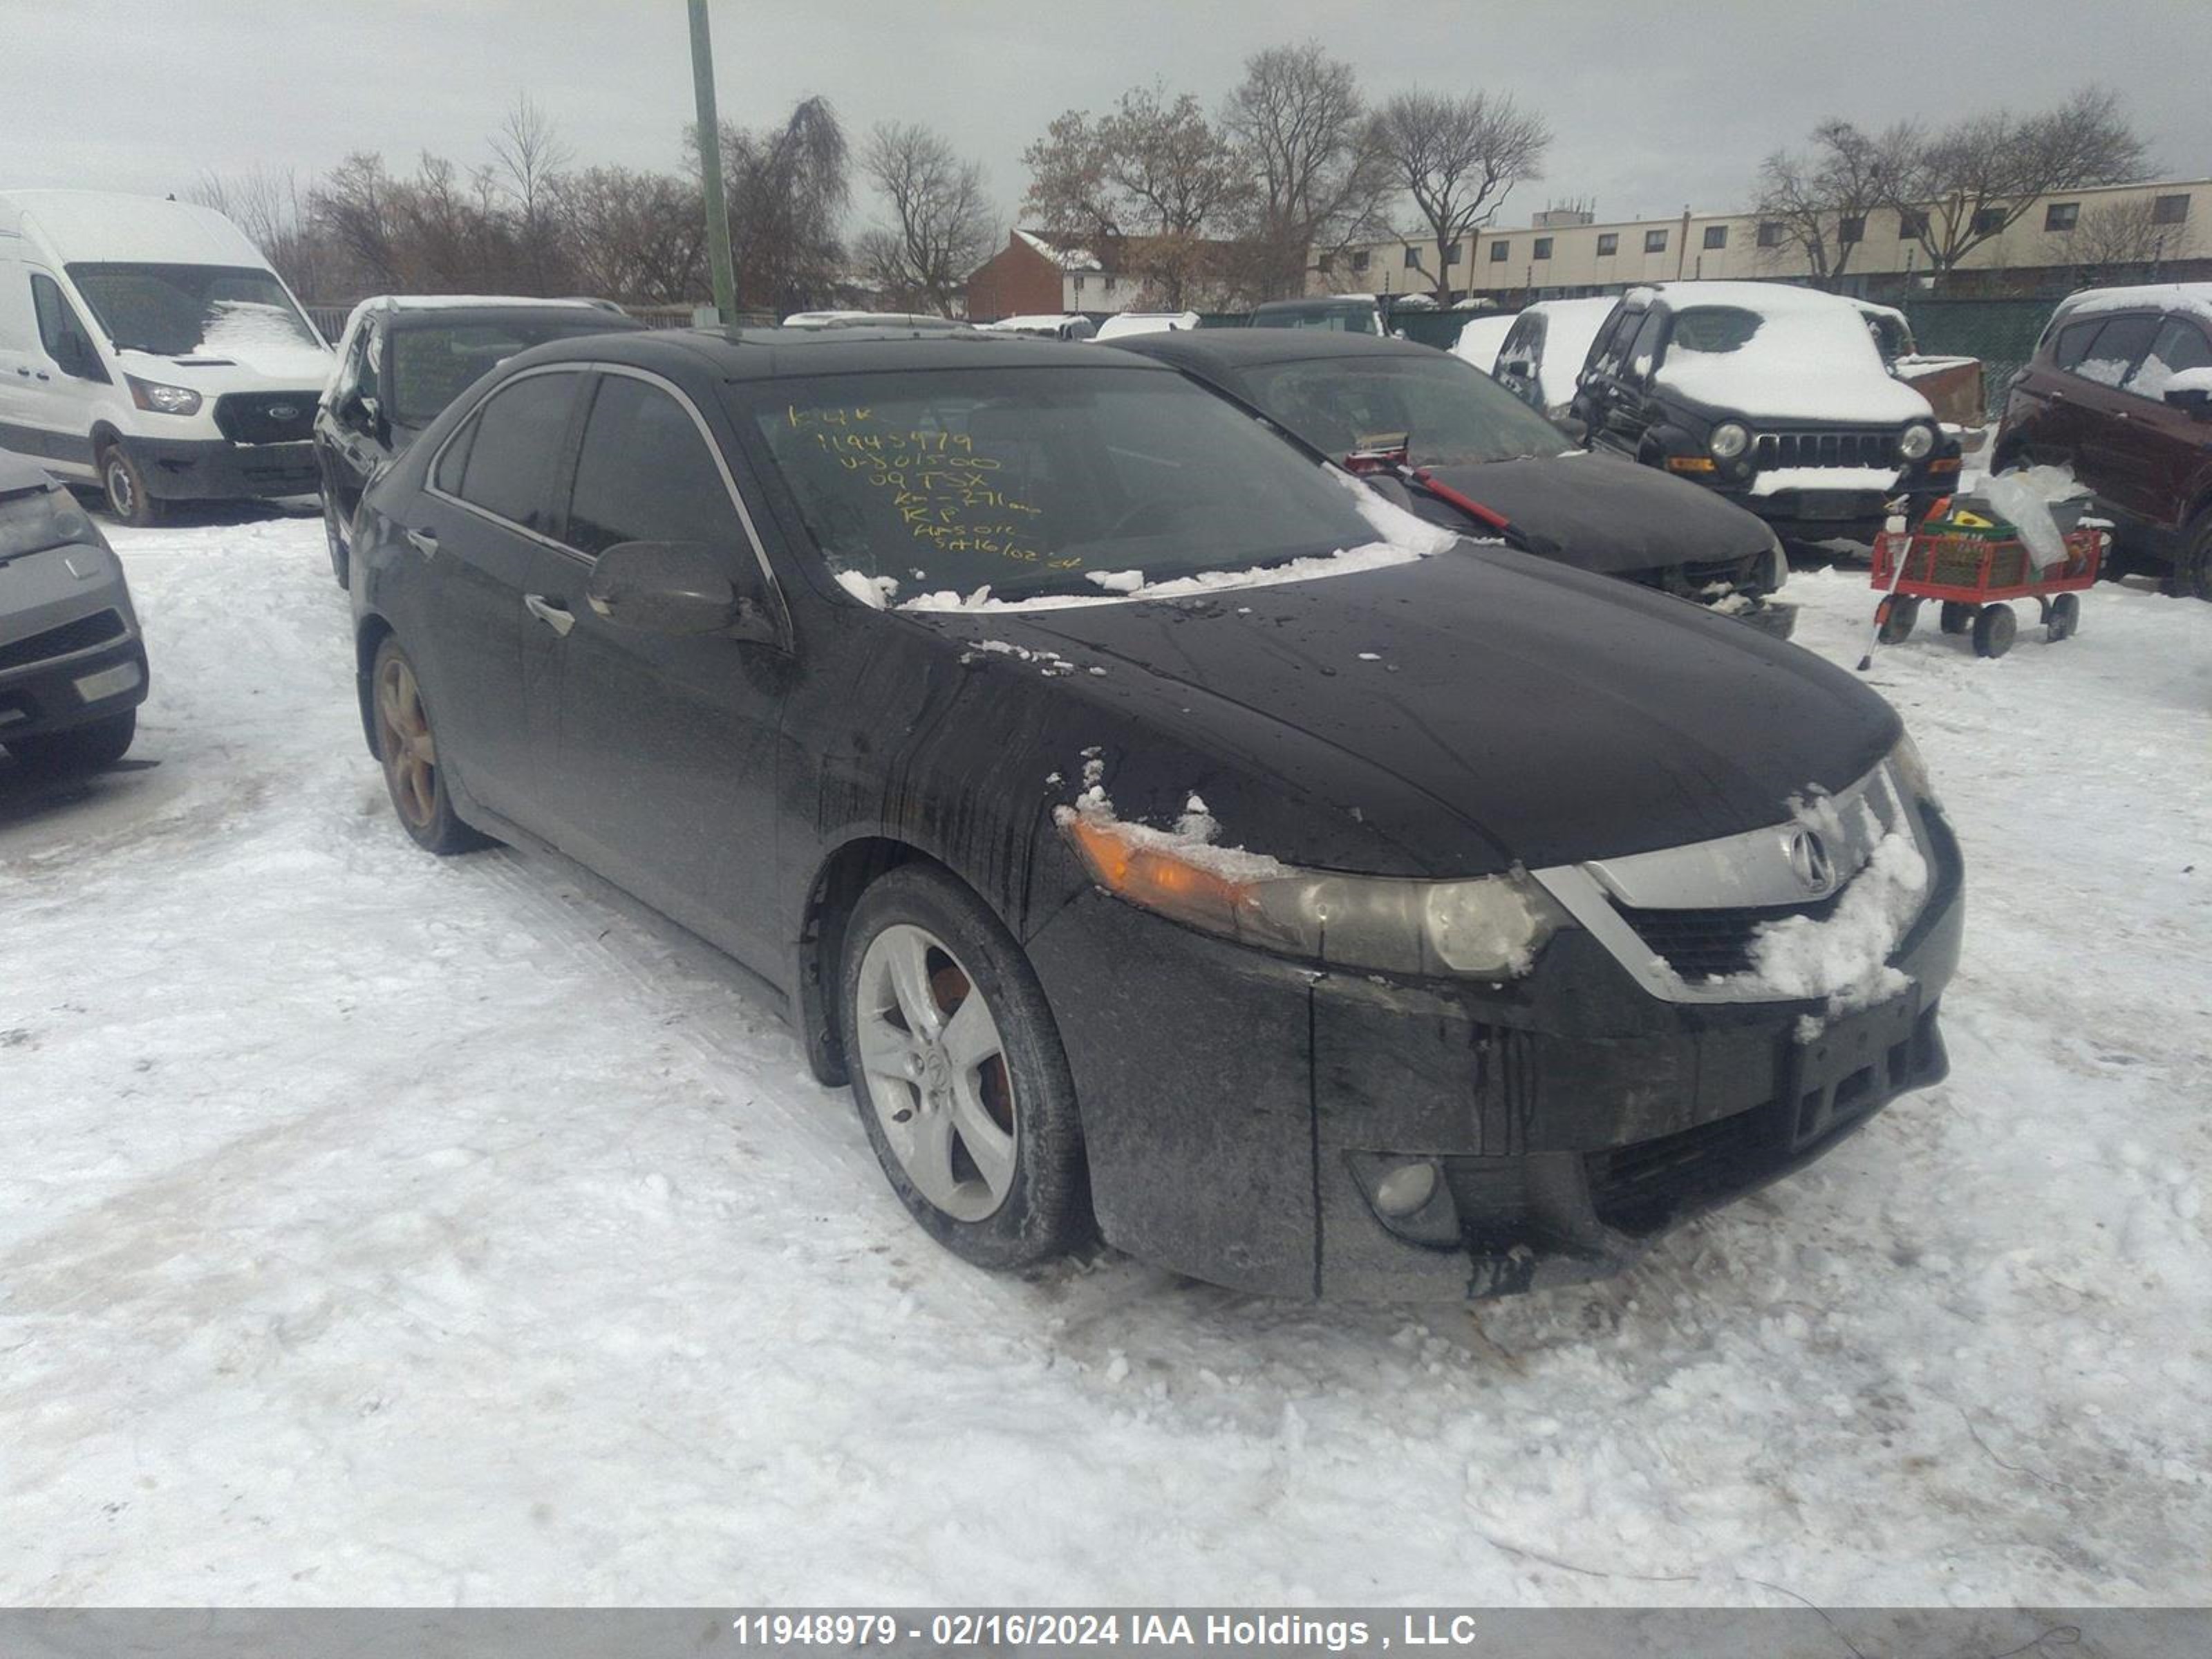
(1553, 716)
(1777, 382)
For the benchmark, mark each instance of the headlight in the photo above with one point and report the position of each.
(163, 399)
(40, 520)
(1728, 441)
(1911, 772)
(1489, 927)
(1917, 442)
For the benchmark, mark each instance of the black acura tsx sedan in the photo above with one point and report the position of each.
(1161, 833)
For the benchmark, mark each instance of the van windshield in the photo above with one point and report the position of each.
(174, 311)
(1026, 481)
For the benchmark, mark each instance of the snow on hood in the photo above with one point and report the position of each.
(1811, 359)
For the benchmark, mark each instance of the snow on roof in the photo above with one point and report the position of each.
(1811, 357)
(96, 226)
(1480, 338)
(1570, 325)
(1146, 322)
(1067, 259)
(2192, 297)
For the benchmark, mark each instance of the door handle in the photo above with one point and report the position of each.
(555, 616)
(423, 543)
(25, 373)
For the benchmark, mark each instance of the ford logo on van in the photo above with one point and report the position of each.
(283, 412)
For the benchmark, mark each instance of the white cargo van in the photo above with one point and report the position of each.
(147, 347)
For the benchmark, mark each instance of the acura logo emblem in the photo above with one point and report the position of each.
(1809, 862)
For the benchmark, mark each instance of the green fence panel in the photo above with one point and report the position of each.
(2002, 333)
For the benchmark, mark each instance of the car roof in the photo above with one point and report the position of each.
(768, 353)
(1251, 348)
(407, 316)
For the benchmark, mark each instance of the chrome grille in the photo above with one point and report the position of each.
(1780, 449)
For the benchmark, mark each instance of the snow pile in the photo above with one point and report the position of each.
(1824, 478)
(1191, 841)
(874, 591)
(1115, 582)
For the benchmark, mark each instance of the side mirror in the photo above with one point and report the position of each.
(673, 588)
(1519, 368)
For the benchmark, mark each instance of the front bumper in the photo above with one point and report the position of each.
(1238, 1107)
(76, 688)
(215, 469)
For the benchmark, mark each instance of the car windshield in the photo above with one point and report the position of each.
(1025, 480)
(1446, 411)
(433, 364)
(174, 311)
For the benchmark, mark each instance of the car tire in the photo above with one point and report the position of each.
(407, 749)
(340, 565)
(81, 749)
(125, 485)
(2192, 560)
(974, 1121)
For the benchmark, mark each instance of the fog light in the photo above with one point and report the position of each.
(108, 683)
(1406, 1188)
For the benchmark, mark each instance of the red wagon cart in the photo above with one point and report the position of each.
(1976, 571)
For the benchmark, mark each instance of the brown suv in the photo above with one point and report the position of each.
(2120, 388)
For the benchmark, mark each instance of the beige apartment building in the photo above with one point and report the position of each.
(1565, 253)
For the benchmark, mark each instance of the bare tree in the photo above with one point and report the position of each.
(2114, 240)
(267, 206)
(1071, 191)
(1302, 138)
(632, 236)
(1968, 182)
(530, 157)
(788, 189)
(1818, 198)
(354, 205)
(944, 224)
(1457, 158)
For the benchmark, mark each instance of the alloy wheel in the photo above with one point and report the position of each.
(936, 1072)
(403, 740)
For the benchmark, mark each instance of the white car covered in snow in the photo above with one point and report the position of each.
(1543, 352)
(147, 346)
(1777, 396)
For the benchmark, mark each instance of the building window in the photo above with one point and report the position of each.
(1079, 283)
(1608, 242)
(1770, 233)
(1912, 223)
(1452, 253)
(1359, 259)
(1543, 248)
(1326, 263)
(2169, 210)
(1412, 259)
(1716, 236)
(1499, 250)
(1655, 241)
(1852, 229)
(2062, 215)
(1987, 221)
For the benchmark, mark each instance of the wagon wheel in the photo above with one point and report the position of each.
(1994, 629)
(2065, 619)
(1957, 618)
(1894, 617)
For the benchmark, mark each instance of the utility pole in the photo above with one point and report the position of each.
(710, 165)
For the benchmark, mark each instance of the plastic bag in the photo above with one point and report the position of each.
(2022, 499)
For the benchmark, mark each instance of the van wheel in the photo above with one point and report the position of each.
(959, 1075)
(129, 500)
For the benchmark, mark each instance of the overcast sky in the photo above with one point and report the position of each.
(1654, 106)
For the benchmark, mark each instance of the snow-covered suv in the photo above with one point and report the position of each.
(1777, 396)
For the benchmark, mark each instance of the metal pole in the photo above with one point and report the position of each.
(710, 165)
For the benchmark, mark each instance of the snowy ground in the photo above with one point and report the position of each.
(377, 1229)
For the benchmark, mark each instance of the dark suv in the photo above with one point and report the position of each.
(402, 360)
(1777, 396)
(2120, 389)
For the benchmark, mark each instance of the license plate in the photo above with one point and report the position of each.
(1850, 1066)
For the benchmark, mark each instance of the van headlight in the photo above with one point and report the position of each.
(1487, 927)
(1728, 441)
(1918, 441)
(33, 522)
(163, 399)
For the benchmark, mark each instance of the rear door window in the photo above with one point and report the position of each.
(2119, 345)
(646, 474)
(2180, 344)
(516, 453)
